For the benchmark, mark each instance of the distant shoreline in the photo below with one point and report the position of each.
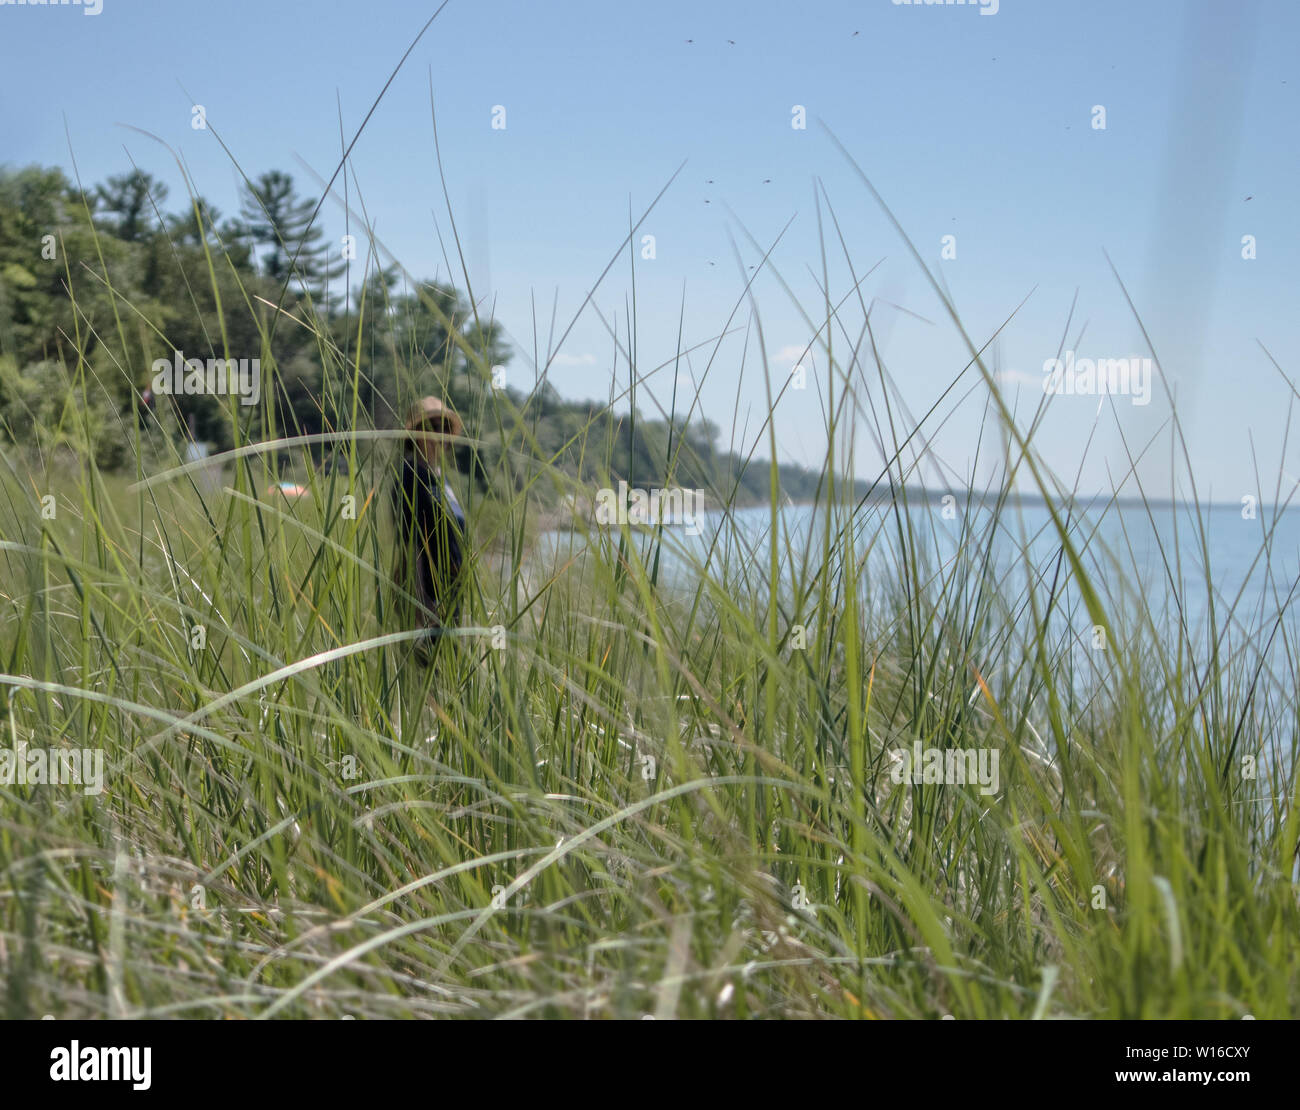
(562, 518)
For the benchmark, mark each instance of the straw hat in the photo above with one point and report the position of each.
(430, 410)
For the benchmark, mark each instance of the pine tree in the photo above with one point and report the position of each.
(131, 198)
(272, 216)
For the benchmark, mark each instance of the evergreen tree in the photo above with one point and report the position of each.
(131, 199)
(272, 216)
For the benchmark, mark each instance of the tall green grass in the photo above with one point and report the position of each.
(622, 788)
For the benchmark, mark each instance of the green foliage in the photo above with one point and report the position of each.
(128, 283)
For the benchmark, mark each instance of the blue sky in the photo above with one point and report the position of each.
(972, 125)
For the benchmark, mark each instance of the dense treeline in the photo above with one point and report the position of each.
(97, 284)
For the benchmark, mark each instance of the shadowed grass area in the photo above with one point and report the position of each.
(652, 773)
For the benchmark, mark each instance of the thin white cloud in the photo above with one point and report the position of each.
(574, 360)
(793, 353)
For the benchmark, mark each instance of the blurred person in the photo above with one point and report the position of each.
(431, 531)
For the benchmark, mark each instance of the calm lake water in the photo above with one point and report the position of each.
(1131, 555)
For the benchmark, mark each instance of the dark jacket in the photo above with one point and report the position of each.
(430, 538)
